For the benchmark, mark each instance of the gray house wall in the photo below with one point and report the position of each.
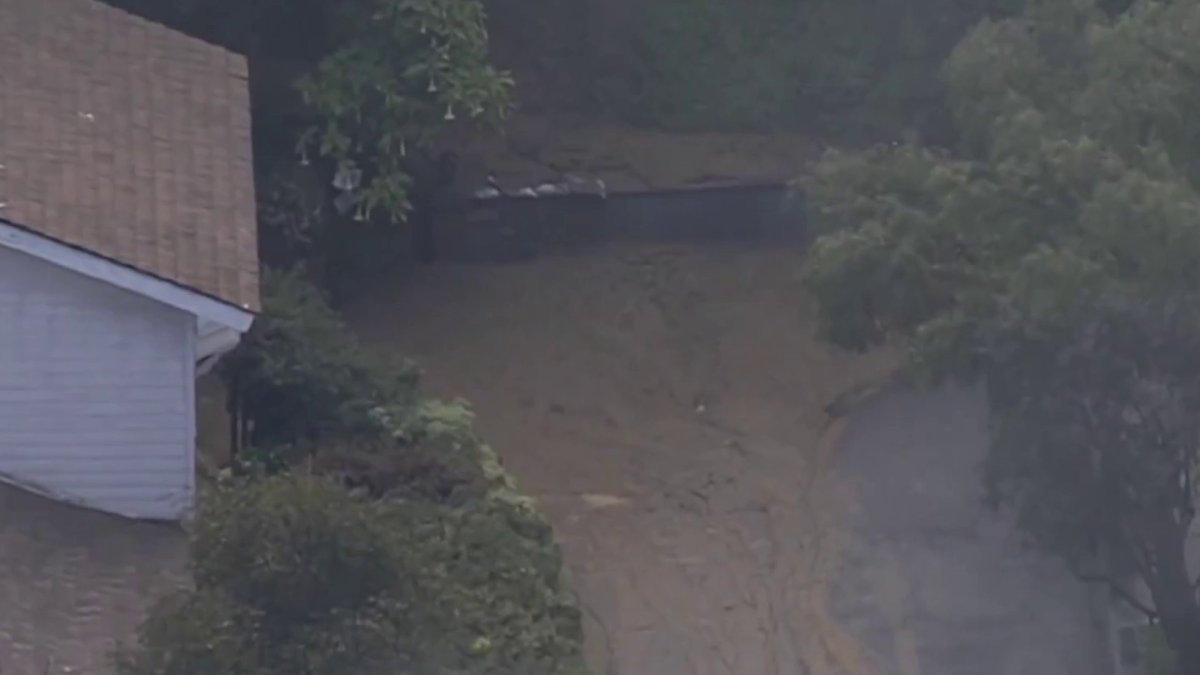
(96, 392)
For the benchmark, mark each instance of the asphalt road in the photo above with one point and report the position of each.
(931, 580)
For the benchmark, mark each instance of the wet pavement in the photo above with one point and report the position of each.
(931, 580)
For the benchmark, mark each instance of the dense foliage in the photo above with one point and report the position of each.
(300, 375)
(839, 66)
(292, 575)
(406, 70)
(1054, 257)
(295, 574)
(349, 102)
(381, 534)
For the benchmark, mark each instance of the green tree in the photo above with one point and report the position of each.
(367, 86)
(1052, 257)
(405, 71)
(855, 67)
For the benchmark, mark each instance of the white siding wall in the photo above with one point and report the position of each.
(96, 392)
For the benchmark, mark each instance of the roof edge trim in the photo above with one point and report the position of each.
(122, 276)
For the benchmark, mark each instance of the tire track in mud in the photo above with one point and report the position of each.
(666, 407)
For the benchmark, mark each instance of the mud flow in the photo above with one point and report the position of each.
(666, 406)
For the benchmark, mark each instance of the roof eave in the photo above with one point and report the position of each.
(201, 305)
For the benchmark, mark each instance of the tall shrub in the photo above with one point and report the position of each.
(482, 590)
(300, 375)
(292, 575)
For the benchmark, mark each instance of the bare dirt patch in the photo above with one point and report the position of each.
(666, 407)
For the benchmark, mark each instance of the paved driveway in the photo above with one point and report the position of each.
(932, 581)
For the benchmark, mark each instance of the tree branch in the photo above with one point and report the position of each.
(1115, 588)
(1127, 597)
(1173, 60)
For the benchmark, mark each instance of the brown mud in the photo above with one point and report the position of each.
(666, 406)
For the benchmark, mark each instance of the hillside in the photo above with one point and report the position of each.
(665, 406)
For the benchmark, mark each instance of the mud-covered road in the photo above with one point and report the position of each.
(666, 407)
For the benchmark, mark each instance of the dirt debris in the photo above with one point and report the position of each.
(666, 405)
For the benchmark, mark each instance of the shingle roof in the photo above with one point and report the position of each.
(130, 140)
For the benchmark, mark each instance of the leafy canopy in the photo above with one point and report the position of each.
(1052, 255)
(406, 70)
(300, 374)
(292, 575)
(839, 66)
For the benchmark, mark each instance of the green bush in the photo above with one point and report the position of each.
(300, 375)
(411, 531)
(484, 548)
(292, 575)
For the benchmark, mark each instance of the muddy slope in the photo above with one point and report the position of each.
(665, 405)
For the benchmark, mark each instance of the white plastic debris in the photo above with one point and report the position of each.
(549, 189)
(347, 178)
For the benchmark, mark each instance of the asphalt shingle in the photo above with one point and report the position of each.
(130, 140)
